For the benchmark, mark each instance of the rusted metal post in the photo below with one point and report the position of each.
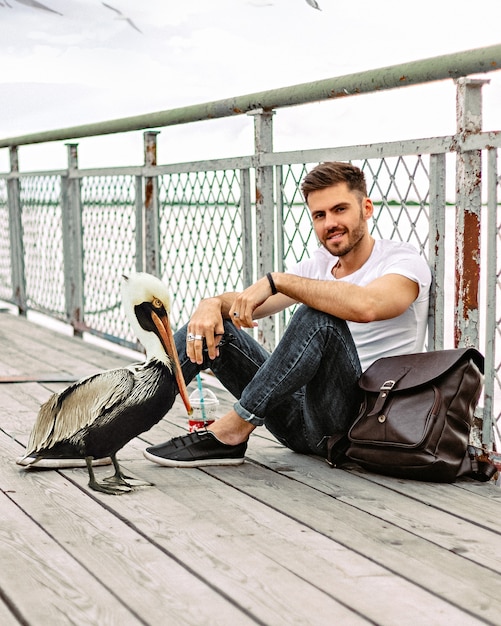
(16, 240)
(491, 292)
(468, 209)
(280, 235)
(138, 186)
(151, 235)
(246, 217)
(265, 213)
(71, 210)
(436, 252)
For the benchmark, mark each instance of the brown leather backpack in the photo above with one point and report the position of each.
(416, 416)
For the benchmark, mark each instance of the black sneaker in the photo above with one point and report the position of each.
(196, 449)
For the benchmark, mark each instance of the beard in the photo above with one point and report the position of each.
(355, 236)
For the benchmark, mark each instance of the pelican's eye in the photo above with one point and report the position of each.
(157, 303)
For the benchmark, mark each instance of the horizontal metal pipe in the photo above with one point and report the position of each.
(454, 65)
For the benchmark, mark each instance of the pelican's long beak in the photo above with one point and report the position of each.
(167, 337)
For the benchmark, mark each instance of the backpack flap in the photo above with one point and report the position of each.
(414, 370)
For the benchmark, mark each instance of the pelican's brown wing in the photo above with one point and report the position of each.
(78, 406)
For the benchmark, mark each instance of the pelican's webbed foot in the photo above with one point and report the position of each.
(116, 484)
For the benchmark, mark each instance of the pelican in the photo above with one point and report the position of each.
(96, 416)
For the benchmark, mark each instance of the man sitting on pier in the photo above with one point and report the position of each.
(361, 299)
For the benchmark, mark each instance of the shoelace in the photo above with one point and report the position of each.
(181, 439)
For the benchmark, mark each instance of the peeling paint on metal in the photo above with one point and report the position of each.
(339, 94)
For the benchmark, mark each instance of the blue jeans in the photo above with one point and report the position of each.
(304, 391)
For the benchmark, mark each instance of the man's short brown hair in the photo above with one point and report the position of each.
(332, 173)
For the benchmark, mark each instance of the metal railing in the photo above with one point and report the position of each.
(68, 235)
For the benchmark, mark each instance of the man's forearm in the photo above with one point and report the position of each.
(343, 300)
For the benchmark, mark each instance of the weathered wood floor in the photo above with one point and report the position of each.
(282, 539)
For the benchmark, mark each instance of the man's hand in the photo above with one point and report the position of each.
(244, 305)
(206, 322)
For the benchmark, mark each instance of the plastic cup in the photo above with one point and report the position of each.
(204, 409)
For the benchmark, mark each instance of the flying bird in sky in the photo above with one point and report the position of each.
(31, 3)
(121, 16)
(314, 4)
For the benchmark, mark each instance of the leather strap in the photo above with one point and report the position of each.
(384, 392)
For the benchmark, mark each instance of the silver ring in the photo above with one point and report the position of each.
(235, 314)
(191, 337)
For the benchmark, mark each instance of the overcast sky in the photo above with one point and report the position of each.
(83, 64)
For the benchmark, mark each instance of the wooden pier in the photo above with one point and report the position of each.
(281, 540)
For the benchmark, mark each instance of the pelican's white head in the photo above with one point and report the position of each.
(147, 305)
(139, 289)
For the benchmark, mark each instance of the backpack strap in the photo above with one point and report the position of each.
(384, 391)
(477, 465)
(337, 445)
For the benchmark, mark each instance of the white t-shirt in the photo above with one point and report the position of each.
(404, 334)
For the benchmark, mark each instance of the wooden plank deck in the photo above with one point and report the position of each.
(282, 539)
